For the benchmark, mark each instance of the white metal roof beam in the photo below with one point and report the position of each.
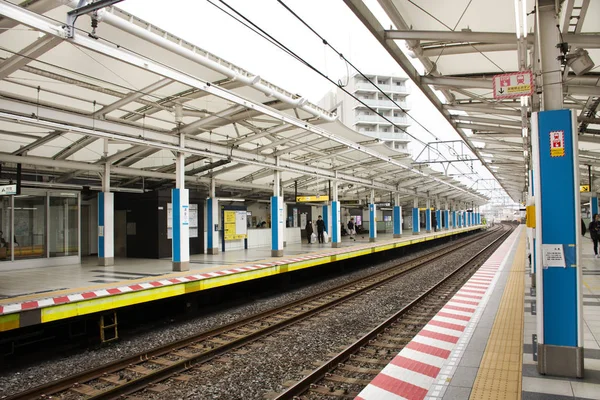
(448, 50)
(489, 128)
(131, 97)
(484, 120)
(28, 54)
(49, 26)
(578, 40)
(482, 108)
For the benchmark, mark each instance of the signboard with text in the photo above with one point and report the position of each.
(8, 190)
(300, 199)
(516, 84)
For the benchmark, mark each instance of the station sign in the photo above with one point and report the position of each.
(302, 199)
(6, 190)
(584, 188)
(516, 84)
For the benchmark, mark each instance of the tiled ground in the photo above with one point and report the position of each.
(534, 385)
(39, 280)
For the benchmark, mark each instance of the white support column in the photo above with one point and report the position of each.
(181, 214)
(106, 235)
(336, 216)
(277, 223)
(212, 220)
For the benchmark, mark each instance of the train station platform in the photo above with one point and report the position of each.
(41, 295)
(479, 345)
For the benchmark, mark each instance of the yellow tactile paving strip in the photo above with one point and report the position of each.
(499, 375)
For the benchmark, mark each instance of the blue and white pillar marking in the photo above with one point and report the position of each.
(594, 207)
(397, 217)
(212, 219)
(438, 219)
(416, 223)
(372, 218)
(326, 219)
(181, 229)
(277, 222)
(559, 297)
(336, 217)
(428, 215)
(453, 219)
(106, 246)
(180, 201)
(447, 218)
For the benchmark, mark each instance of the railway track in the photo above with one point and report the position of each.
(146, 369)
(347, 373)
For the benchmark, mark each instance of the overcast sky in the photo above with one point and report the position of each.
(203, 24)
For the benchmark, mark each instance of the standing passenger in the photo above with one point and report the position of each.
(351, 229)
(309, 230)
(595, 233)
(320, 229)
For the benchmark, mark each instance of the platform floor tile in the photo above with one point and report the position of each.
(499, 375)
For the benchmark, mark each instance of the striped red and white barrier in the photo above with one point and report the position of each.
(413, 371)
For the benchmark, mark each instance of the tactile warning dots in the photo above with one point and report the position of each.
(499, 375)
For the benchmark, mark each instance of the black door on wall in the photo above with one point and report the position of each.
(146, 229)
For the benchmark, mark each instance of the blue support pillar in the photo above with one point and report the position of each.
(446, 218)
(106, 247)
(212, 219)
(559, 276)
(397, 217)
(438, 219)
(453, 219)
(428, 216)
(336, 217)
(594, 206)
(416, 223)
(372, 218)
(277, 226)
(326, 219)
(181, 229)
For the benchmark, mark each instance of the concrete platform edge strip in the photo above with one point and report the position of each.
(107, 298)
(450, 329)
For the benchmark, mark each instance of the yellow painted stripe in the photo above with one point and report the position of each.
(500, 371)
(84, 307)
(10, 321)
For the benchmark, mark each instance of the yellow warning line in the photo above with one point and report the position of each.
(499, 375)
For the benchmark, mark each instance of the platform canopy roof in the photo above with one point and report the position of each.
(460, 45)
(127, 95)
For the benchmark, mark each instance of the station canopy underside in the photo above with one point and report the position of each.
(462, 44)
(69, 106)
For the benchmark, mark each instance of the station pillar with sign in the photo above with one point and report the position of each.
(372, 218)
(277, 218)
(428, 215)
(106, 245)
(212, 220)
(397, 217)
(326, 213)
(447, 218)
(593, 207)
(416, 223)
(181, 229)
(106, 221)
(453, 219)
(559, 275)
(336, 217)
(438, 217)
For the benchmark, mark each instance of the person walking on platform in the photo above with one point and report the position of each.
(309, 231)
(595, 233)
(320, 229)
(434, 221)
(351, 229)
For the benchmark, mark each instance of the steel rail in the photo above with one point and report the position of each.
(134, 385)
(303, 385)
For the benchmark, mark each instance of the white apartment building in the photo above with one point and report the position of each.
(360, 118)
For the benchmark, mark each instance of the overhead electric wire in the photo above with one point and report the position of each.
(273, 40)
